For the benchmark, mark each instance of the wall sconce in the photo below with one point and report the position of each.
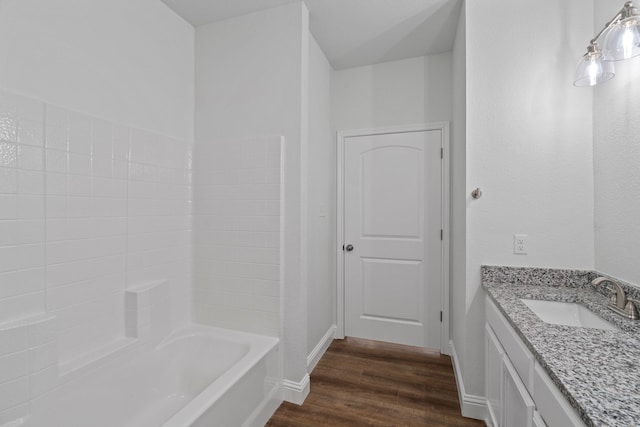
(621, 41)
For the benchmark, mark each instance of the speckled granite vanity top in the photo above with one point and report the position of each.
(597, 370)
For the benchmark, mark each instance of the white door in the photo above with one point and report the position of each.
(392, 236)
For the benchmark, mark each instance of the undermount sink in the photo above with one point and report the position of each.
(567, 313)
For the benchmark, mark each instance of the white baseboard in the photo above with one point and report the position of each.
(318, 351)
(472, 406)
(296, 392)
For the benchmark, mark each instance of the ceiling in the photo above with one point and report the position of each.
(352, 32)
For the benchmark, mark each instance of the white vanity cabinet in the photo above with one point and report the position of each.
(518, 390)
(517, 405)
(537, 420)
(494, 354)
(508, 401)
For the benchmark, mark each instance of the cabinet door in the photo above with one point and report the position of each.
(517, 405)
(493, 370)
(537, 420)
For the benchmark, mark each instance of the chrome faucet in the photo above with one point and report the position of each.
(619, 302)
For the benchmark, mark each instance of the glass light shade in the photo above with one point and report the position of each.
(593, 70)
(623, 40)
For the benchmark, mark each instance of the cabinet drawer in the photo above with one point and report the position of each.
(551, 404)
(518, 353)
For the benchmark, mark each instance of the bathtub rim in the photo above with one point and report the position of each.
(259, 347)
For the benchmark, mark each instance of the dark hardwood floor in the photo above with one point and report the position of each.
(368, 383)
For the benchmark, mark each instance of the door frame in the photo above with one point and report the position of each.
(341, 137)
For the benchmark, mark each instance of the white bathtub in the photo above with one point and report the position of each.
(199, 376)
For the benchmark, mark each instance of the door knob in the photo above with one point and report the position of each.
(348, 248)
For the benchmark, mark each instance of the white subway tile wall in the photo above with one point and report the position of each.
(88, 306)
(28, 364)
(237, 234)
(87, 209)
(22, 208)
(159, 217)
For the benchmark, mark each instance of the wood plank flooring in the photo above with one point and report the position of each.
(368, 383)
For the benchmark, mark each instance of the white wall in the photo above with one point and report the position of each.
(528, 148)
(616, 159)
(320, 200)
(251, 82)
(458, 189)
(409, 91)
(129, 62)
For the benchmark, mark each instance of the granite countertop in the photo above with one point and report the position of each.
(597, 370)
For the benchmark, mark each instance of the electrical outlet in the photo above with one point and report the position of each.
(520, 244)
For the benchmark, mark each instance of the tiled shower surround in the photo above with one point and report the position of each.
(237, 206)
(88, 209)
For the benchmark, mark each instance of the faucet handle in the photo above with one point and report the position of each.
(631, 309)
(619, 293)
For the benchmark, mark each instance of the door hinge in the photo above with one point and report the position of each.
(441, 234)
(440, 316)
(442, 153)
